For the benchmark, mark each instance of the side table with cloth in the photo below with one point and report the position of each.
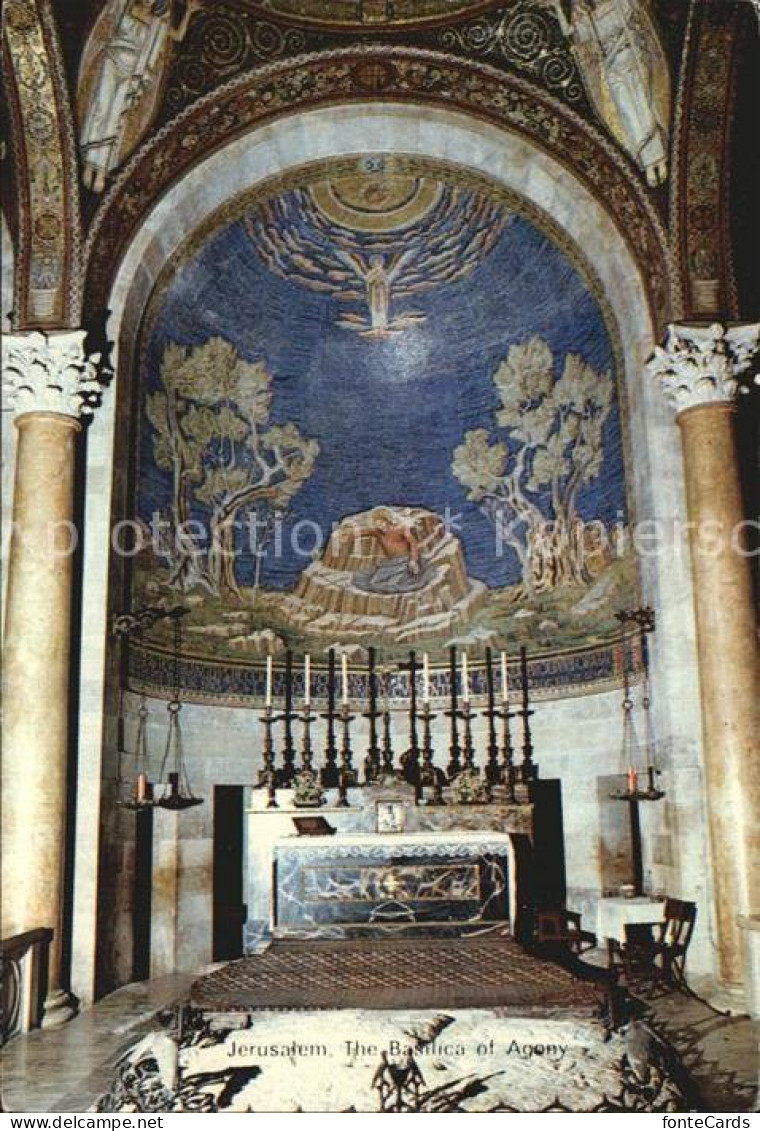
(614, 912)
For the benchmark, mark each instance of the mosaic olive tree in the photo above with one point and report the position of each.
(213, 433)
(550, 444)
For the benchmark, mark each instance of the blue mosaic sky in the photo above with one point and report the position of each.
(389, 413)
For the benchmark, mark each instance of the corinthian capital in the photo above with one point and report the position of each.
(50, 373)
(704, 364)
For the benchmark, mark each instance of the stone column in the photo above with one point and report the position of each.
(50, 383)
(701, 369)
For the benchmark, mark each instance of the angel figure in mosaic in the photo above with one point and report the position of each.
(626, 74)
(375, 271)
(121, 77)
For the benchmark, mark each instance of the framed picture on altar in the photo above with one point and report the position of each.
(391, 816)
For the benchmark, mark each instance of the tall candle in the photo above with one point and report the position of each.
(465, 679)
(425, 678)
(307, 680)
(633, 778)
(269, 682)
(142, 784)
(344, 674)
(504, 679)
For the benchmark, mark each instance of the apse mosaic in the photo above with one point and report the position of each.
(378, 406)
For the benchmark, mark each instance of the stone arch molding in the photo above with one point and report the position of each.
(426, 81)
(436, 133)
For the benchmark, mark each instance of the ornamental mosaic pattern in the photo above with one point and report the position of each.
(706, 107)
(409, 75)
(522, 36)
(43, 149)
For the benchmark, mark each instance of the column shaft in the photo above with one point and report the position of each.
(729, 669)
(36, 683)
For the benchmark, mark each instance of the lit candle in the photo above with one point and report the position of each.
(504, 679)
(632, 780)
(344, 674)
(425, 678)
(307, 681)
(269, 682)
(465, 679)
(142, 784)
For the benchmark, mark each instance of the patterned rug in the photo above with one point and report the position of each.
(399, 974)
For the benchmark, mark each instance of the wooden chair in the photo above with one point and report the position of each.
(676, 930)
(654, 954)
(557, 928)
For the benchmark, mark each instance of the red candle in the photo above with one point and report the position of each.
(632, 780)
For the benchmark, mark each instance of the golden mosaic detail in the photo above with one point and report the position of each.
(43, 200)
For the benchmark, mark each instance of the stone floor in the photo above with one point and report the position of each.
(65, 1070)
(722, 1053)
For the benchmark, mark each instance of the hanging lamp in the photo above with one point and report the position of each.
(178, 793)
(136, 796)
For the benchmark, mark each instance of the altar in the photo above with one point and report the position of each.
(438, 871)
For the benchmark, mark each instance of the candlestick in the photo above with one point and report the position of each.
(329, 775)
(343, 802)
(347, 772)
(493, 773)
(288, 771)
(344, 678)
(429, 775)
(425, 678)
(387, 744)
(267, 776)
(527, 770)
(414, 745)
(268, 701)
(372, 761)
(507, 755)
(272, 792)
(306, 751)
(307, 681)
(504, 679)
(469, 749)
(453, 767)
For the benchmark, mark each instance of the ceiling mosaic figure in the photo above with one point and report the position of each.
(121, 77)
(379, 407)
(625, 71)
